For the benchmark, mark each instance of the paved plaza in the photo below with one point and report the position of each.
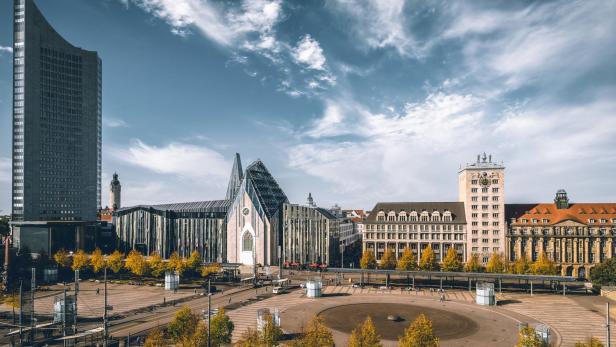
(122, 297)
(571, 318)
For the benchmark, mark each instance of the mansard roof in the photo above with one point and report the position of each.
(549, 213)
(456, 208)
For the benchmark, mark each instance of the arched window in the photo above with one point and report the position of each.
(247, 242)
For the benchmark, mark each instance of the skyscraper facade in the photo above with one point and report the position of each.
(56, 136)
(56, 123)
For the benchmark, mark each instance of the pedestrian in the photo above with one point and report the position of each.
(195, 291)
(229, 299)
(98, 291)
(164, 300)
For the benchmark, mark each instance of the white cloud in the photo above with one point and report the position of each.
(535, 43)
(183, 160)
(380, 24)
(415, 155)
(5, 170)
(114, 123)
(7, 49)
(309, 53)
(227, 27)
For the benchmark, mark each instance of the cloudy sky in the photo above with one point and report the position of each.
(354, 101)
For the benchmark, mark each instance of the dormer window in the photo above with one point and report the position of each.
(534, 220)
(524, 220)
(591, 221)
(603, 221)
(545, 220)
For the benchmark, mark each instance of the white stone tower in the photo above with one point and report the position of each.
(115, 193)
(481, 186)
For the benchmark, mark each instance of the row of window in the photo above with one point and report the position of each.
(495, 241)
(494, 181)
(484, 190)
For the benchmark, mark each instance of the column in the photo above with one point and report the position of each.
(575, 251)
(597, 249)
(518, 248)
(586, 250)
(610, 248)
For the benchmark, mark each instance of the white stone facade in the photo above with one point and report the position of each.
(481, 186)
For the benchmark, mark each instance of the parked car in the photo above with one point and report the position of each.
(357, 285)
(278, 290)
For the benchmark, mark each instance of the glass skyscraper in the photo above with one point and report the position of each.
(56, 124)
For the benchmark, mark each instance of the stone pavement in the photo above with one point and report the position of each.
(122, 297)
(573, 322)
(245, 317)
(570, 317)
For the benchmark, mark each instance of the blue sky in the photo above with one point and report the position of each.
(354, 101)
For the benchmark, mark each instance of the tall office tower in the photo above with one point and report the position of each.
(56, 123)
(481, 186)
(115, 193)
(56, 137)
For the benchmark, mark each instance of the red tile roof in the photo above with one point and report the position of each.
(548, 214)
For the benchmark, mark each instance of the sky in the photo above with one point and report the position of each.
(354, 101)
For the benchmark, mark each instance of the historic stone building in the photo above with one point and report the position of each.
(481, 186)
(577, 236)
(115, 193)
(417, 225)
(310, 235)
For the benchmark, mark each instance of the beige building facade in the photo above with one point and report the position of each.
(481, 187)
(416, 225)
(577, 236)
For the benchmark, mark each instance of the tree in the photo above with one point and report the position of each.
(97, 260)
(271, 333)
(136, 263)
(604, 274)
(407, 261)
(428, 261)
(528, 337)
(222, 328)
(419, 334)
(211, 269)
(155, 338)
(367, 260)
(156, 265)
(5, 229)
(80, 260)
(177, 263)
(496, 264)
(388, 260)
(114, 261)
(592, 342)
(451, 263)
(197, 339)
(544, 266)
(473, 264)
(194, 261)
(315, 334)
(250, 338)
(365, 335)
(183, 325)
(521, 266)
(62, 259)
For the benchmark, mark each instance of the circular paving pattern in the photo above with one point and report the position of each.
(446, 325)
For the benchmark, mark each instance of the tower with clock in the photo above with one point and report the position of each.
(481, 186)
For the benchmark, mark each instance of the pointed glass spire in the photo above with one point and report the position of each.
(237, 174)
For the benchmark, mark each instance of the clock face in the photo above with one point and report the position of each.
(484, 181)
(245, 211)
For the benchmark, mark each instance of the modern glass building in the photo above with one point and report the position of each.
(56, 125)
